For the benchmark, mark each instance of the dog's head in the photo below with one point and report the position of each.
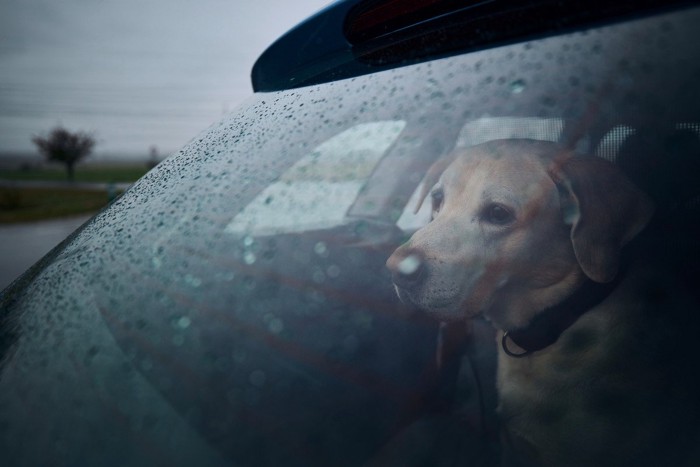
(516, 226)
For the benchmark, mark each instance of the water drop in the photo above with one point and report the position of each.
(333, 271)
(517, 86)
(409, 265)
(193, 281)
(320, 249)
(276, 326)
(184, 322)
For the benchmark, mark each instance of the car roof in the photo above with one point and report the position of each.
(355, 37)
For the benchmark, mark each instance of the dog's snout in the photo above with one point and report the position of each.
(407, 267)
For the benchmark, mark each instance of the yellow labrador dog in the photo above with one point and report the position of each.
(593, 368)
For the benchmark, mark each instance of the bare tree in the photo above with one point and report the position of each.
(65, 147)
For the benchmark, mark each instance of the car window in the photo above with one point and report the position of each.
(480, 131)
(239, 305)
(312, 193)
(611, 142)
(486, 129)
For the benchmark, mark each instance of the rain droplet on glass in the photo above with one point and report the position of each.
(184, 322)
(517, 86)
(320, 249)
(409, 265)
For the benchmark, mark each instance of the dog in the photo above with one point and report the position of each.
(595, 339)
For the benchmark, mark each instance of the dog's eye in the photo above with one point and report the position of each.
(498, 214)
(438, 197)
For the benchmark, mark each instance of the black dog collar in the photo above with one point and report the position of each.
(545, 328)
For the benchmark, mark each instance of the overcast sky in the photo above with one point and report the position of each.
(135, 72)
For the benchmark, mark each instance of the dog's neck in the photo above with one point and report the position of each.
(545, 329)
(548, 325)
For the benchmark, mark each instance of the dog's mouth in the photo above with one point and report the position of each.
(442, 307)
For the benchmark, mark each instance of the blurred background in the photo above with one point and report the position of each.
(95, 93)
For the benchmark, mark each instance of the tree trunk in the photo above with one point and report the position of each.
(69, 169)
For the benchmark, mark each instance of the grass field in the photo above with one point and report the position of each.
(33, 204)
(24, 204)
(83, 173)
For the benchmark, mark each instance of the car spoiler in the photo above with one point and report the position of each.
(356, 37)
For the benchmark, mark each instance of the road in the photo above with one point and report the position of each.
(22, 245)
(63, 184)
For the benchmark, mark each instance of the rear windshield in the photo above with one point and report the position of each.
(325, 276)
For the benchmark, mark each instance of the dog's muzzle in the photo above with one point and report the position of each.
(407, 269)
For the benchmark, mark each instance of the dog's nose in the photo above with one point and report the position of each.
(407, 268)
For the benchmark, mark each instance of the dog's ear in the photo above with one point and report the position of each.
(605, 211)
(432, 177)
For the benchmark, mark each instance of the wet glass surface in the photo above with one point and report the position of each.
(235, 307)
